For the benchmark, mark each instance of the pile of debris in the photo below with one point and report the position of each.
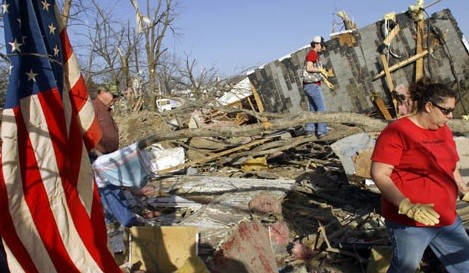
(271, 202)
(239, 187)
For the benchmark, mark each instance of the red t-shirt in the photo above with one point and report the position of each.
(312, 56)
(424, 162)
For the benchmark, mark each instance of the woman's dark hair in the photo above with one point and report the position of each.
(424, 90)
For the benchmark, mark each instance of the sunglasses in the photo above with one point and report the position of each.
(445, 111)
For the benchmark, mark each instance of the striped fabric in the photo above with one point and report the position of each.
(51, 217)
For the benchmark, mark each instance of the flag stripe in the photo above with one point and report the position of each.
(53, 219)
(10, 173)
(75, 85)
(14, 266)
(40, 180)
(81, 103)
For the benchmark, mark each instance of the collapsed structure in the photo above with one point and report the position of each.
(372, 66)
(246, 224)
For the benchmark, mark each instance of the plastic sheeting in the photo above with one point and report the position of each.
(128, 167)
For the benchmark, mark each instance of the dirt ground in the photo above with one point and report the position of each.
(139, 125)
(324, 198)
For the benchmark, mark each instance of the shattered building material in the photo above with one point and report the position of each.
(166, 158)
(356, 65)
(240, 91)
(380, 259)
(162, 249)
(247, 249)
(348, 147)
(229, 203)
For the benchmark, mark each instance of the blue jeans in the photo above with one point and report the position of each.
(449, 243)
(115, 206)
(316, 104)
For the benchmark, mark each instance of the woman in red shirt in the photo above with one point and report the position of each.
(414, 165)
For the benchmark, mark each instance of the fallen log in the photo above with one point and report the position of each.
(365, 123)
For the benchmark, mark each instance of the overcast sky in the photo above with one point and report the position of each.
(235, 35)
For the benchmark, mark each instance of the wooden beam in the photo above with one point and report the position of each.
(401, 64)
(389, 82)
(381, 106)
(257, 98)
(391, 35)
(387, 72)
(419, 49)
(212, 157)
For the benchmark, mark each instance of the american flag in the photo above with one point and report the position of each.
(51, 217)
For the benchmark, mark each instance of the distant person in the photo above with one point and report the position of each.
(312, 86)
(414, 165)
(115, 204)
(112, 197)
(103, 105)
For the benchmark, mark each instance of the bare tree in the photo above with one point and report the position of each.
(154, 25)
(66, 11)
(203, 83)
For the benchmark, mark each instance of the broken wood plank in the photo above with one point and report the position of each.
(391, 35)
(247, 249)
(389, 82)
(419, 49)
(401, 64)
(381, 106)
(277, 146)
(322, 231)
(211, 157)
(194, 184)
(257, 98)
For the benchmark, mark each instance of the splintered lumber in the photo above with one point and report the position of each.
(402, 64)
(322, 232)
(419, 49)
(391, 35)
(246, 249)
(193, 184)
(212, 157)
(272, 147)
(258, 99)
(379, 103)
(231, 205)
(278, 122)
(389, 82)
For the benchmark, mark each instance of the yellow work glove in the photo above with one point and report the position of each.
(422, 213)
(329, 84)
(324, 72)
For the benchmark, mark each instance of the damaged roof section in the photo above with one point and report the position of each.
(355, 59)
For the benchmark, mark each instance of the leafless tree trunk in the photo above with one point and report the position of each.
(154, 25)
(66, 11)
(198, 81)
(357, 123)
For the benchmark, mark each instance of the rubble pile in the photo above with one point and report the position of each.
(315, 217)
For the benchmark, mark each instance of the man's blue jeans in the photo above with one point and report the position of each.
(450, 244)
(115, 206)
(316, 104)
